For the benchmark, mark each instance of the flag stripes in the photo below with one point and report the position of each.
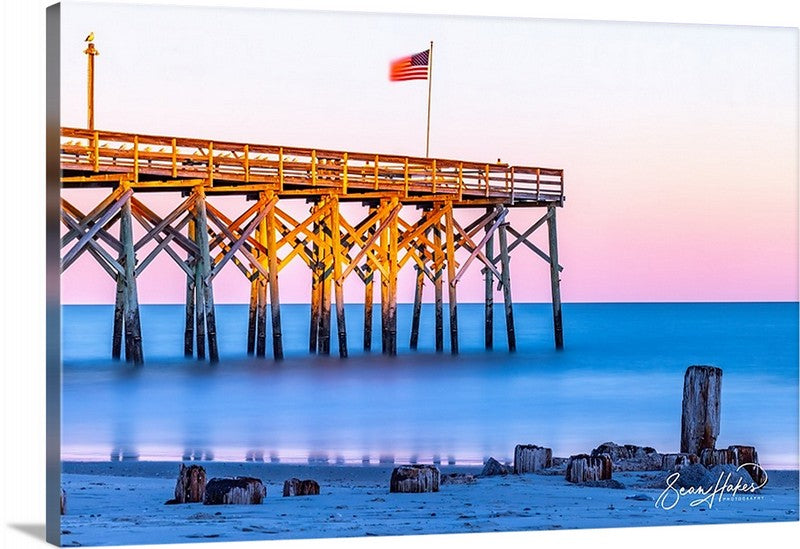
(412, 67)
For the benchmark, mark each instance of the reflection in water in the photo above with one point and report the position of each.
(620, 378)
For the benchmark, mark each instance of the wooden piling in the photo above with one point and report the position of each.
(199, 296)
(261, 295)
(269, 228)
(438, 261)
(188, 329)
(555, 281)
(336, 253)
(505, 274)
(417, 309)
(316, 292)
(488, 315)
(251, 318)
(119, 319)
(451, 275)
(368, 306)
(324, 334)
(133, 330)
(204, 261)
(700, 417)
(384, 244)
(393, 272)
(261, 317)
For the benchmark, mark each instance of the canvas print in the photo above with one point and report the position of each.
(346, 274)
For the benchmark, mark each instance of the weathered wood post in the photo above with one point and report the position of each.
(316, 289)
(338, 283)
(384, 246)
(269, 229)
(701, 408)
(368, 306)
(297, 487)
(188, 329)
(133, 329)
(251, 317)
(261, 294)
(529, 458)
(488, 279)
(505, 274)
(204, 286)
(191, 484)
(199, 296)
(394, 266)
(119, 316)
(747, 456)
(234, 491)
(451, 275)
(324, 333)
(438, 276)
(414, 340)
(414, 479)
(586, 468)
(555, 281)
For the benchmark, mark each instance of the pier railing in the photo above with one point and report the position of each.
(297, 169)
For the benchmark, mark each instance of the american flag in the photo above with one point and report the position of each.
(413, 67)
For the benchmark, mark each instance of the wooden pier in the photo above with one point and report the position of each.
(409, 220)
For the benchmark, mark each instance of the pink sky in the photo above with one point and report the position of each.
(678, 141)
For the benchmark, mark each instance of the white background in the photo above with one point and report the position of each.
(22, 268)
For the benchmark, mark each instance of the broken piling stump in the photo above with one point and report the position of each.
(675, 462)
(191, 484)
(529, 458)
(711, 457)
(630, 457)
(701, 408)
(414, 479)
(297, 487)
(747, 457)
(584, 468)
(234, 491)
(457, 478)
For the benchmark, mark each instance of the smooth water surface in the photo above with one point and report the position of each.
(619, 378)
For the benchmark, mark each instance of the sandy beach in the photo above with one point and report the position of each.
(112, 503)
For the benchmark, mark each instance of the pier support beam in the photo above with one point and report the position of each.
(205, 313)
(316, 291)
(488, 337)
(368, 307)
(268, 235)
(251, 318)
(336, 255)
(133, 329)
(555, 282)
(188, 329)
(451, 282)
(384, 246)
(119, 317)
(324, 333)
(438, 275)
(505, 273)
(414, 341)
(394, 267)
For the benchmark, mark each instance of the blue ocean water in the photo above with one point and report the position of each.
(618, 379)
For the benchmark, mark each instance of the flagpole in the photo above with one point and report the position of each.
(430, 80)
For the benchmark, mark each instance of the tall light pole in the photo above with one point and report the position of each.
(90, 52)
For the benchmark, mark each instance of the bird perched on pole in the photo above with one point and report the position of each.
(90, 38)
